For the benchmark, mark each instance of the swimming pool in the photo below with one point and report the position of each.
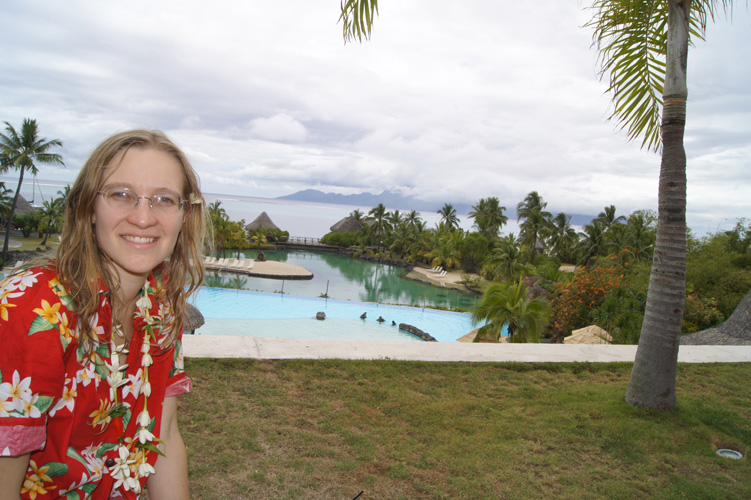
(259, 314)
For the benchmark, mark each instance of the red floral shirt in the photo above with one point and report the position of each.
(57, 405)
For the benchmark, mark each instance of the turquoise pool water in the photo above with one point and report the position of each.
(242, 312)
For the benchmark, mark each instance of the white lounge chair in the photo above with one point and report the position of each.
(443, 273)
(439, 269)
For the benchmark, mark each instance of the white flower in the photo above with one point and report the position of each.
(121, 470)
(17, 391)
(147, 360)
(135, 384)
(146, 346)
(144, 302)
(146, 389)
(145, 469)
(144, 419)
(144, 435)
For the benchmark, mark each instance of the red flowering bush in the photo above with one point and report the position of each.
(586, 291)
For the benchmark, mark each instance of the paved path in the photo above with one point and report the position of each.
(215, 346)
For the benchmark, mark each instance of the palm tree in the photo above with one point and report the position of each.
(63, 194)
(641, 235)
(413, 219)
(357, 215)
(395, 218)
(22, 152)
(489, 217)
(5, 200)
(505, 262)
(505, 303)
(448, 217)
(644, 46)
(216, 211)
(608, 218)
(52, 214)
(592, 241)
(563, 237)
(537, 223)
(379, 216)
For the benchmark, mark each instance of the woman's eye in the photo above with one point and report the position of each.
(121, 196)
(165, 200)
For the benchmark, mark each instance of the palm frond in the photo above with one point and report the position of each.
(357, 18)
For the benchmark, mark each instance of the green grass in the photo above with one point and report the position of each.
(406, 430)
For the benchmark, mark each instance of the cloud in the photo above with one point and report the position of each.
(448, 102)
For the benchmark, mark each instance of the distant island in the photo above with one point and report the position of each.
(396, 201)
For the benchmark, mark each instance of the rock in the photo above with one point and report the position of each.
(417, 332)
(320, 315)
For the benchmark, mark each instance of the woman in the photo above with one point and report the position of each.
(91, 359)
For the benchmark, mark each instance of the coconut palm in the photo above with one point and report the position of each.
(489, 217)
(643, 46)
(608, 218)
(505, 303)
(23, 151)
(63, 194)
(380, 219)
(591, 241)
(449, 218)
(357, 215)
(52, 214)
(5, 200)
(537, 224)
(563, 237)
(413, 218)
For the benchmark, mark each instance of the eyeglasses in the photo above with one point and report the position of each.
(122, 198)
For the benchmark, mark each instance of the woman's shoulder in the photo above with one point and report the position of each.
(31, 281)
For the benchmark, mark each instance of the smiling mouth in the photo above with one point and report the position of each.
(139, 239)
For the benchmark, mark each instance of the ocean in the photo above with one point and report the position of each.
(300, 219)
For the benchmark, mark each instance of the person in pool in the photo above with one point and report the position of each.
(91, 360)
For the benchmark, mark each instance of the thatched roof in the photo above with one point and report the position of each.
(591, 334)
(736, 330)
(262, 221)
(346, 225)
(192, 319)
(23, 207)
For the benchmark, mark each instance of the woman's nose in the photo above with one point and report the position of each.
(143, 215)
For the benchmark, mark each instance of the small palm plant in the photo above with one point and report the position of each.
(508, 304)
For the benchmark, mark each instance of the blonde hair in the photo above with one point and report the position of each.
(81, 263)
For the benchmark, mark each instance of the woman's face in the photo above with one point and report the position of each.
(137, 239)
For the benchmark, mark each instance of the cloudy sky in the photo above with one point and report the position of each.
(450, 101)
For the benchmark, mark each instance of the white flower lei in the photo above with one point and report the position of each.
(132, 462)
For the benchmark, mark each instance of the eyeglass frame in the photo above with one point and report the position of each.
(182, 203)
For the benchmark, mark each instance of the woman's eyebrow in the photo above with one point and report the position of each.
(129, 186)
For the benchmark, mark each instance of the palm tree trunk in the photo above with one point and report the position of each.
(652, 382)
(10, 219)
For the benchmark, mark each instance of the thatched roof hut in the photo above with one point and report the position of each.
(346, 225)
(23, 207)
(192, 319)
(592, 334)
(262, 221)
(736, 330)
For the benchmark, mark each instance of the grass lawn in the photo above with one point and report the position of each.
(304, 429)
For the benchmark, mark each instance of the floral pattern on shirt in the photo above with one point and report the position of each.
(58, 404)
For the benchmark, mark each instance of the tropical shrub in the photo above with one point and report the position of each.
(345, 240)
(573, 304)
(700, 313)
